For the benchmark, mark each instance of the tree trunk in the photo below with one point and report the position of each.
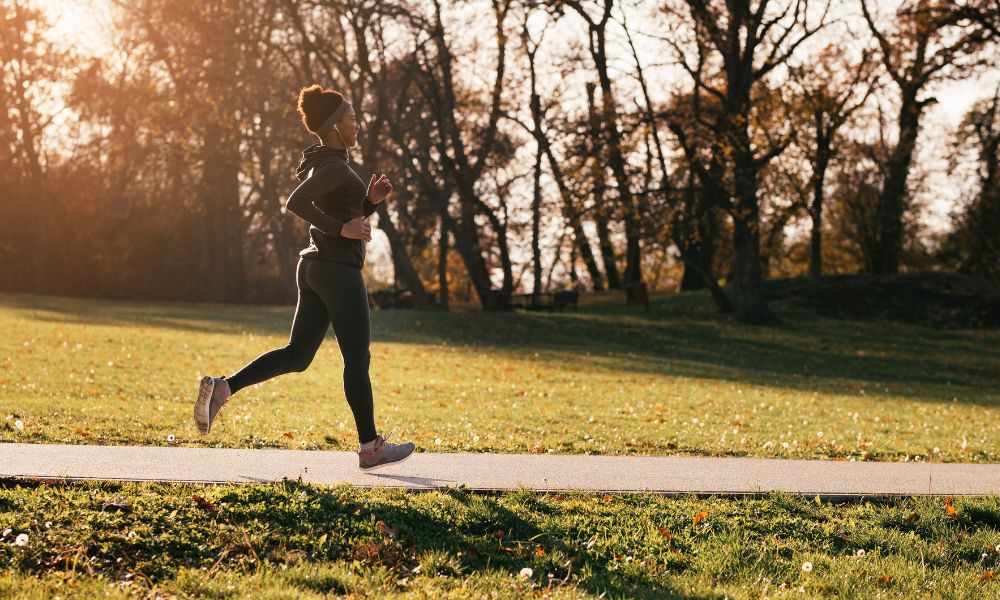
(750, 304)
(536, 205)
(691, 279)
(443, 299)
(631, 214)
(601, 212)
(466, 238)
(572, 216)
(821, 160)
(223, 222)
(894, 197)
(405, 272)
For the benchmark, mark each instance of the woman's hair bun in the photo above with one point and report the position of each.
(315, 104)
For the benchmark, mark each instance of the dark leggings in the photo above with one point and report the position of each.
(329, 292)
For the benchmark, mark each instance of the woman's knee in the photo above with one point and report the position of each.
(299, 359)
(357, 361)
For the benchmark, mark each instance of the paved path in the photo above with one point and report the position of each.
(668, 475)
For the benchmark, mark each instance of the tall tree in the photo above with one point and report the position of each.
(927, 42)
(973, 247)
(31, 69)
(632, 209)
(465, 163)
(748, 41)
(832, 87)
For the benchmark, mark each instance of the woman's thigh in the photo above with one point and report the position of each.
(345, 296)
(311, 318)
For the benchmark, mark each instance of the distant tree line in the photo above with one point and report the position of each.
(159, 168)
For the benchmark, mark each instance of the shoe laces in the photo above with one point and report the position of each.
(380, 440)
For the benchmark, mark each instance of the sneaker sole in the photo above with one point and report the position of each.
(205, 392)
(386, 464)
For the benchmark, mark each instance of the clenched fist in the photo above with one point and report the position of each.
(357, 229)
(378, 189)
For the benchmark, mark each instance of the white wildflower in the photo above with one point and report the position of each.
(170, 438)
(19, 424)
(860, 552)
(437, 441)
(526, 573)
(21, 539)
(807, 566)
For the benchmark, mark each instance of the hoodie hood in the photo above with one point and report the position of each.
(316, 155)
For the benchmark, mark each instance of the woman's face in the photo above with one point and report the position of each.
(348, 127)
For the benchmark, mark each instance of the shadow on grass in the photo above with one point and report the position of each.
(453, 533)
(681, 336)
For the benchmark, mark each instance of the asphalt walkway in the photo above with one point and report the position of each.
(543, 472)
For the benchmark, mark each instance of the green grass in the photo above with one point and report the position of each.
(609, 379)
(300, 540)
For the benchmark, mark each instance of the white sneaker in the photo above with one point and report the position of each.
(213, 394)
(384, 453)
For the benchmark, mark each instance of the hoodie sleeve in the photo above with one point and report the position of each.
(302, 201)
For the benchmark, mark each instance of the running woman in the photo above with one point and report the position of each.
(332, 198)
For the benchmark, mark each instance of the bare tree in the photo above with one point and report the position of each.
(928, 42)
(831, 87)
(30, 69)
(973, 246)
(632, 213)
(747, 40)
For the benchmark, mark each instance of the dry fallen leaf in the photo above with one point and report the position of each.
(698, 517)
(387, 530)
(204, 503)
(665, 533)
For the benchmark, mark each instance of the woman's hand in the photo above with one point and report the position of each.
(357, 229)
(378, 190)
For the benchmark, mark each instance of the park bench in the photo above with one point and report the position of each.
(564, 298)
(386, 299)
(546, 300)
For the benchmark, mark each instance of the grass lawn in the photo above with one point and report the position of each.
(303, 541)
(609, 379)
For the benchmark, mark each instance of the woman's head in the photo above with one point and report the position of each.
(329, 115)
